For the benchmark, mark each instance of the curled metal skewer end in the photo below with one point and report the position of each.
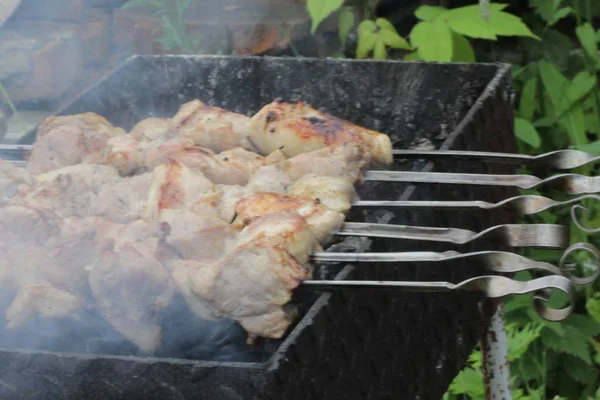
(567, 269)
(541, 298)
(576, 220)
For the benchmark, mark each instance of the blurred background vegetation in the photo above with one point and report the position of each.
(553, 48)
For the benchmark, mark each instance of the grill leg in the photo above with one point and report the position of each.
(496, 373)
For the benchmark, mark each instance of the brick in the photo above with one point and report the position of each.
(94, 34)
(39, 63)
(53, 10)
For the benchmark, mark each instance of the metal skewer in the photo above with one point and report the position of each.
(516, 235)
(567, 183)
(490, 285)
(497, 261)
(523, 205)
(559, 159)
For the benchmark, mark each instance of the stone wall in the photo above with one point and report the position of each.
(51, 50)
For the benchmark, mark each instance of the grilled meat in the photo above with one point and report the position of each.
(69, 140)
(185, 207)
(322, 221)
(335, 193)
(212, 127)
(129, 287)
(251, 284)
(296, 128)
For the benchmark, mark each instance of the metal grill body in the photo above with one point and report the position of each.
(363, 344)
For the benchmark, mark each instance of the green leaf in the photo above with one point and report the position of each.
(468, 382)
(545, 8)
(367, 25)
(433, 40)
(321, 9)
(392, 39)
(345, 23)
(592, 305)
(385, 25)
(462, 51)
(554, 82)
(413, 56)
(598, 36)
(429, 13)
(366, 42)
(586, 36)
(574, 122)
(560, 14)
(468, 21)
(527, 103)
(573, 343)
(582, 84)
(519, 340)
(505, 24)
(578, 370)
(592, 148)
(592, 124)
(379, 53)
(526, 132)
(390, 36)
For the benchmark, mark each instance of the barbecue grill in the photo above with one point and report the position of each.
(358, 344)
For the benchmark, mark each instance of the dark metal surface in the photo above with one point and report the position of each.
(364, 344)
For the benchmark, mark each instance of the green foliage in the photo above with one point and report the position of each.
(376, 36)
(557, 107)
(174, 31)
(321, 9)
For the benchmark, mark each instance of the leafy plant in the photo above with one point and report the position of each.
(174, 31)
(557, 107)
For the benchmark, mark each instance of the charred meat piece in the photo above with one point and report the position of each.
(296, 128)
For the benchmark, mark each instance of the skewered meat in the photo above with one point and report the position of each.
(230, 195)
(44, 302)
(176, 186)
(198, 237)
(71, 191)
(347, 161)
(11, 178)
(129, 287)
(69, 140)
(180, 273)
(269, 178)
(222, 170)
(126, 154)
(333, 192)
(322, 221)
(296, 128)
(287, 229)
(251, 285)
(152, 129)
(183, 207)
(212, 127)
(125, 199)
